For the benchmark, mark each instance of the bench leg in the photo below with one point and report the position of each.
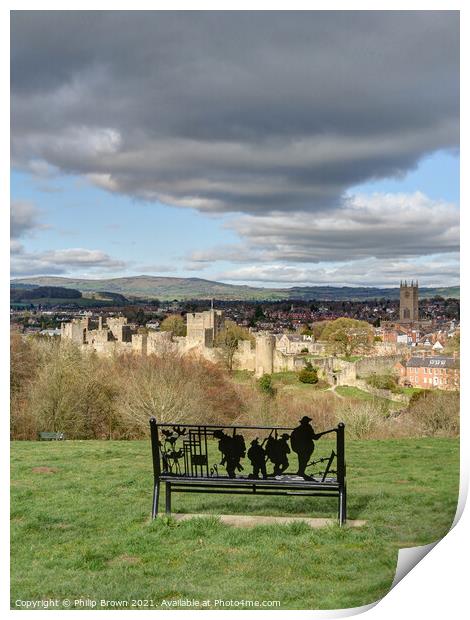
(156, 496)
(342, 506)
(168, 498)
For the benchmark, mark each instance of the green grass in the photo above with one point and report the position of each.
(242, 376)
(290, 380)
(286, 380)
(349, 391)
(355, 393)
(83, 531)
(409, 391)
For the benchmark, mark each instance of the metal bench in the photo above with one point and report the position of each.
(47, 436)
(195, 458)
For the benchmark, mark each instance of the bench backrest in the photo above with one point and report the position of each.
(48, 436)
(218, 451)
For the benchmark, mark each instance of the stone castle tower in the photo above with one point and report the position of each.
(409, 302)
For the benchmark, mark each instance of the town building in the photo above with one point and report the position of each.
(297, 343)
(409, 310)
(430, 372)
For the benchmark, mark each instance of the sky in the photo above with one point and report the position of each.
(261, 148)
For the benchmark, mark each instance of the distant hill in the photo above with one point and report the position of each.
(106, 296)
(163, 288)
(43, 292)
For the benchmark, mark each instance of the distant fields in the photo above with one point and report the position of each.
(80, 527)
(168, 288)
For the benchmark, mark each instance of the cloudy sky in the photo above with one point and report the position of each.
(266, 148)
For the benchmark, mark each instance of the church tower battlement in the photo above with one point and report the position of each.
(409, 311)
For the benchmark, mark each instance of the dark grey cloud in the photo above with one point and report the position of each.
(233, 111)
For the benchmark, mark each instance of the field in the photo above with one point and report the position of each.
(351, 392)
(80, 528)
(169, 288)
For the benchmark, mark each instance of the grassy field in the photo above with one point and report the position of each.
(354, 393)
(286, 380)
(80, 528)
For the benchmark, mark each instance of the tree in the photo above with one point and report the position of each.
(318, 328)
(259, 314)
(174, 389)
(384, 381)
(265, 384)
(348, 336)
(453, 344)
(174, 323)
(227, 341)
(308, 375)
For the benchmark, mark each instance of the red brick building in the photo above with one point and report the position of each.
(438, 372)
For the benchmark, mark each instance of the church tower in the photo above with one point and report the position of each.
(409, 302)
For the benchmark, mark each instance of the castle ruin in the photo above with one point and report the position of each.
(269, 353)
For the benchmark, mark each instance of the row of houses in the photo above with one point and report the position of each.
(430, 372)
(435, 339)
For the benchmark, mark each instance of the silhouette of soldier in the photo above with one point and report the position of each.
(257, 456)
(277, 450)
(232, 449)
(302, 441)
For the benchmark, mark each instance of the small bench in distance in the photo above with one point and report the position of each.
(47, 436)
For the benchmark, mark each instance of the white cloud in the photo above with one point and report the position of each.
(66, 261)
(435, 271)
(378, 225)
(24, 219)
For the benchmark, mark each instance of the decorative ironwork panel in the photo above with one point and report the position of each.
(248, 452)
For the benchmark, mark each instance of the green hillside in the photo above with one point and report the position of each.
(164, 288)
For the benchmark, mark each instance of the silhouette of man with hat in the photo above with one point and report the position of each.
(302, 441)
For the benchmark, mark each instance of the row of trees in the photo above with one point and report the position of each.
(62, 388)
(59, 387)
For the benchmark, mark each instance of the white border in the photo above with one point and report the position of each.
(437, 587)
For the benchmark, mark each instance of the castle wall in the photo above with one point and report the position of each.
(381, 364)
(98, 336)
(119, 328)
(111, 347)
(264, 354)
(203, 327)
(76, 330)
(159, 343)
(263, 358)
(139, 344)
(245, 356)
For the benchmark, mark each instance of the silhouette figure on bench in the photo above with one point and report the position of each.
(302, 441)
(277, 450)
(257, 456)
(232, 449)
